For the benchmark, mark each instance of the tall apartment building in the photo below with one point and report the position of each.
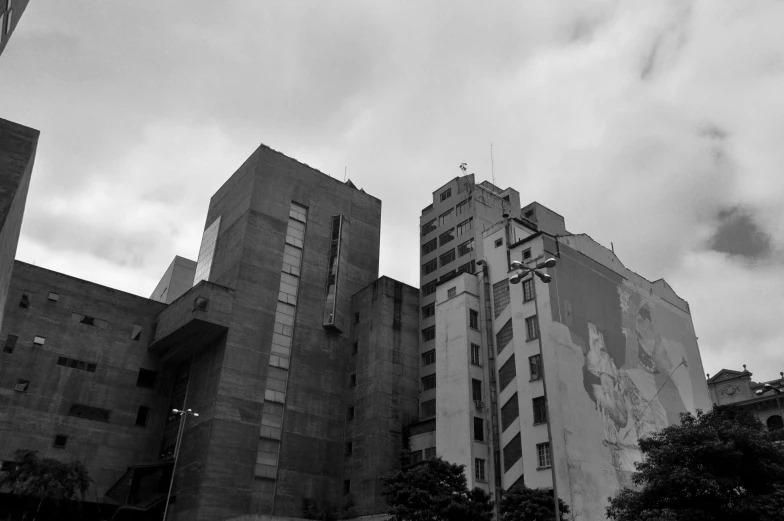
(618, 354)
(10, 13)
(300, 362)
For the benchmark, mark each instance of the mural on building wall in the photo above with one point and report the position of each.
(628, 365)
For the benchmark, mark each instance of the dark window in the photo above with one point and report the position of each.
(350, 413)
(451, 292)
(63, 361)
(89, 413)
(463, 207)
(10, 344)
(428, 311)
(430, 267)
(54, 297)
(510, 412)
(21, 385)
(352, 380)
(476, 389)
(349, 448)
(444, 217)
(429, 289)
(504, 336)
(476, 354)
(91, 368)
(356, 318)
(355, 348)
(428, 227)
(447, 257)
(429, 357)
(141, 416)
(528, 290)
(429, 246)
(416, 456)
(146, 378)
(25, 301)
(136, 332)
(430, 452)
(529, 214)
(346, 486)
(59, 441)
(499, 243)
(479, 469)
(479, 429)
(500, 297)
(535, 365)
(527, 254)
(429, 334)
(473, 318)
(446, 194)
(446, 237)
(468, 267)
(532, 328)
(429, 382)
(428, 408)
(464, 226)
(540, 410)
(507, 373)
(200, 304)
(465, 248)
(513, 452)
(543, 454)
(39, 340)
(90, 321)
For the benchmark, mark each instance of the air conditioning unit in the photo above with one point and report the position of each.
(479, 404)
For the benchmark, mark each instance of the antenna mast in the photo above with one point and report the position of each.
(492, 163)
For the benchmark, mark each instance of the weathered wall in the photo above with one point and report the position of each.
(177, 280)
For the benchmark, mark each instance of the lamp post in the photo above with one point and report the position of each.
(522, 273)
(777, 390)
(183, 415)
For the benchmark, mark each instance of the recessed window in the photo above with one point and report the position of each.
(473, 319)
(355, 348)
(532, 328)
(146, 378)
(527, 254)
(429, 246)
(446, 237)
(21, 385)
(428, 311)
(446, 194)
(350, 413)
(543, 454)
(346, 486)
(476, 389)
(429, 357)
(446, 216)
(476, 354)
(529, 214)
(54, 297)
(479, 429)
(528, 290)
(25, 301)
(349, 448)
(429, 288)
(465, 248)
(429, 334)
(463, 207)
(535, 365)
(10, 344)
(89, 413)
(91, 368)
(429, 382)
(136, 332)
(430, 452)
(464, 227)
(59, 441)
(356, 318)
(141, 416)
(200, 304)
(428, 408)
(428, 227)
(499, 243)
(39, 340)
(451, 292)
(540, 410)
(352, 380)
(479, 469)
(430, 267)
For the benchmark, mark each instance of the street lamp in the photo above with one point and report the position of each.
(522, 273)
(777, 390)
(182, 415)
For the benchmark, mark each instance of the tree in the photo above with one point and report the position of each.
(716, 466)
(521, 503)
(434, 490)
(45, 478)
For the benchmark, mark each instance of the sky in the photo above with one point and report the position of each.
(654, 126)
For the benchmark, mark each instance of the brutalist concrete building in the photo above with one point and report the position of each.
(300, 361)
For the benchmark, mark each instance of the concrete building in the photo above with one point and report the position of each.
(728, 387)
(10, 13)
(300, 362)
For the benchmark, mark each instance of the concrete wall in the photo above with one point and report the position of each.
(177, 280)
(17, 154)
(31, 419)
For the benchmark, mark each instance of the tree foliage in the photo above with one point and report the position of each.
(716, 466)
(521, 503)
(434, 490)
(45, 478)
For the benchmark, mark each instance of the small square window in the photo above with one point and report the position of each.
(54, 297)
(136, 332)
(25, 301)
(429, 357)
(346, 486)
(355, 348)
(141, 416)
(63, 361)
(352, 380)
(59, 441)
(21, 385)
(91, 368)
(527, 254)
(428, 311)
(429, 382)
(499, 243)
(350, 413)
(473, 319)
(10, 344)
(90, 321)
(356, 318)
(39, 340)
(446, 194)
(146, 378)
(429, 334)
(451, 293)
(200, 304)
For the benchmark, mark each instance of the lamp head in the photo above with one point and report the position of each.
(549, 263)
(480, 262)
(515, 279)
(176, 411)
(544, 277)
(195, 415)
(517, 265)
(758, 392)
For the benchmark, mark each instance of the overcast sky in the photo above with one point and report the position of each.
(655, 125)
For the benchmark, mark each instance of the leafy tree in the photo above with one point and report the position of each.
(434, 490)
(716, 466)
(45, 478)
(521, 503)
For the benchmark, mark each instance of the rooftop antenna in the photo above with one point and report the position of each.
(463, 167)
(492, 163)
(345, 168)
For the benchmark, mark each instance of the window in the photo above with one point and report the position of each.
(428, 408)
(535, 364)
(428, 311)
(352, 380)
(463, 207)
(479, 429)
(136, 332)
(473, 319)
(429, 334)
(500, 297)
(39, 340)
(451, 292)
(532, 328)
(528, 290)
(146, 378)
(513, 452)
(54, 297)
(430, 267)
(447, 257)
(446, 237)
(476, 389)
(59, 441)
(21, 385)
(10, 344)
(507, 373)
(446, 194)
(200, 304)
(141, 416)
(464, 226)
(529, 214)
(76, 364)
(429, 357)
(540, 410)
(346, 486)
(465, 248)
(428, 227)
(510, 412)
(504, 336)
(479, 469)
(527, 254)
(468, 267)
(499, 243)
(25, 301)
(429, 382)
(430, 452)
(416, 457)
(444, 217)
(356, 318)
(429, 246)
(349, 448)
(89, 413)
(351, 413)
(207, 250)
(543, 454)
(355, 348)
(429, 289)
(89, 321)
(475, 355)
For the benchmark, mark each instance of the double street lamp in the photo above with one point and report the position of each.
(522, 272)
(182, 414)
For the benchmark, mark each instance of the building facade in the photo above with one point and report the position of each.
(728, 387)
(177, 279)
(10, 13)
